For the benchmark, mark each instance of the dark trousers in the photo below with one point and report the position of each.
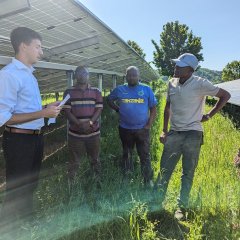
(23, 155)
(78, 148)
(140, 138)
(186, 144)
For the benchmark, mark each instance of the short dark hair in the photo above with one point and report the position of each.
(80, 71)
(132, 68)
(23, 35)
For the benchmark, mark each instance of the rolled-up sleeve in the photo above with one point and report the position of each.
(8, 96)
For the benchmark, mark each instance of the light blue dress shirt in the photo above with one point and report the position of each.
(19, 93)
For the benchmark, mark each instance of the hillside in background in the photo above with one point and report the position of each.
(212, 75)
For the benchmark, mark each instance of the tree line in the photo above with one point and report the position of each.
(176, 39)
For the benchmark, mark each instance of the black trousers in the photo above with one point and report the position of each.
(140, 138)
(23, 155)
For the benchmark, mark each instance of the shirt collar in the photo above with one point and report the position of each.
(20, 65)
(133, 87)
(186, 82)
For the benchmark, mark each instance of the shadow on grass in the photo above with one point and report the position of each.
(165, 225)
(114, 229)
(221, 225)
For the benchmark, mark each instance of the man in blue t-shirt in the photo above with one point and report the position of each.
(136, 105)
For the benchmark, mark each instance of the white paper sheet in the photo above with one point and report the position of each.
(53, 120)
(64, 100)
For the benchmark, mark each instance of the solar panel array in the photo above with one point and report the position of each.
(73, 35)
(234, 88)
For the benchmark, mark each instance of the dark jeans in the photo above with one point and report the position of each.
(23, 155)
(78, 148)
(140, 137)
(186, 144)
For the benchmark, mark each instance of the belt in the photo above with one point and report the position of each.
(24, 131)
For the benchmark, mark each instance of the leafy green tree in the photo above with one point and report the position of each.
(159, 85)
(231, 71)
(137, 48)
(175, 40)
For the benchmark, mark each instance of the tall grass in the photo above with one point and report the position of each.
(123, 208)
(215, 196)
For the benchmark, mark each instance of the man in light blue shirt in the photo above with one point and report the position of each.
(22, 114)
(136, 105)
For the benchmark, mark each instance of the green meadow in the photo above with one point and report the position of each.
(123, 209)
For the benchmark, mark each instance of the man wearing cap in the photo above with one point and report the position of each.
(184, 107)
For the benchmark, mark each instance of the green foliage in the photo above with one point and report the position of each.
(215, 196)
(159, 86)
(231, 71)
(212, 75)
(122, 209)
(137, 48)
(51, 97)
(175, 40)
(141, 227)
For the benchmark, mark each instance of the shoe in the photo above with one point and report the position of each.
(180, 214)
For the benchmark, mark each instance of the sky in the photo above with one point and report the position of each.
(215, 21)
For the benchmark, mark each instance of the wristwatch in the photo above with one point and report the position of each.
(91, 123)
